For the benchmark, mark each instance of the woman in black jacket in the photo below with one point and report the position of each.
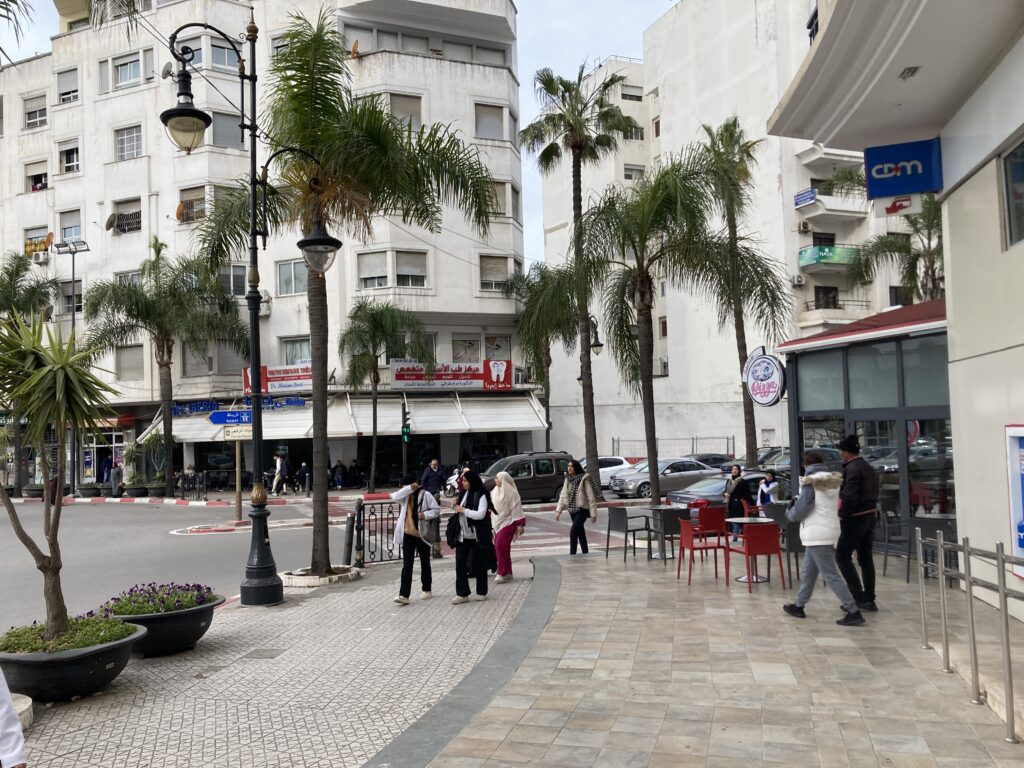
(474, 548)
(737, 490)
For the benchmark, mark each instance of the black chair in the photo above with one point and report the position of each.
(892, 533)
(620, 521)
(669, 530)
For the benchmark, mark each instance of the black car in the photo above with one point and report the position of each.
(762, 454)
(712, 489)
(715, 460)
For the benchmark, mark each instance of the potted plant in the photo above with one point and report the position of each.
(57, 390)
(90, 490)
(33, 490)
(156, 486)
(135, 485)
(176, 615)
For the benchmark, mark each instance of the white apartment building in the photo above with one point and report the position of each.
(705, 61)
(85, 157)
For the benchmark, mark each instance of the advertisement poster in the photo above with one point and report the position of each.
(1015, 472)
(281, 378)
(490, 376)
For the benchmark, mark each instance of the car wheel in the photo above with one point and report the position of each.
(644, 491)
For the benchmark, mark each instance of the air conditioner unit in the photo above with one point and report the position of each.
(798, 280)
(804, 227)
(265, 301)
(41, 257)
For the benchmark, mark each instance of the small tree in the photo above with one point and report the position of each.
(58, 390)
(379, 329)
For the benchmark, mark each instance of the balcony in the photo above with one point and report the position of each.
(822, 162)
(827, 258)
(823, 315)
(820, 207)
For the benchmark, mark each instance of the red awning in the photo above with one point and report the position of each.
(927, 316)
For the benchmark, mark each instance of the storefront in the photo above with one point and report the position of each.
(885, 379)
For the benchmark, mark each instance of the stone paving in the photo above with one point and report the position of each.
(635, 670)
(323, 681)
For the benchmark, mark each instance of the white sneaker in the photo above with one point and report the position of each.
(426, 595)
(402, 600)
(500, 579)
(478, 598)
(459, 600)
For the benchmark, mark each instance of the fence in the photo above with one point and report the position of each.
(676, 446)
(375, 529)
(945, 568)
(192, 486)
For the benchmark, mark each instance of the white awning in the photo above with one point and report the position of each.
(288, 423)
(505, 414)
(389, 416)
(434, 416)
(186, 429)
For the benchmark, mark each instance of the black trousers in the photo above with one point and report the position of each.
(411, 547)
(577, 534)
(465, 553)
(857, 536)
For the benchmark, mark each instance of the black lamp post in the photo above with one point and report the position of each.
(185, 125)
(595, 345)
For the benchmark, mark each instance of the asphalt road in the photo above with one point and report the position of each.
(109, 547)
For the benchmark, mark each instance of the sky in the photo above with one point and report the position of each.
(561, 34)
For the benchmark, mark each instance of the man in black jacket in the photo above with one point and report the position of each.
(858, 510)
(432, 481)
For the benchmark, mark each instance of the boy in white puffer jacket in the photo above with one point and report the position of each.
(817, 511)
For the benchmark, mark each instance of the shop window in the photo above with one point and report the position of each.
(67, 86)
(295, 350)
(489, 122)
(1013, 179)
(128, 142)
(70, 226)
(35, 111)
(632, 92)
(291, 277)
(820, 381)
(373, 269)
(129, 362)
(36, 177)
(493, 273)
(826, 297)
(226, 132)
(465, 348)
(925, 371)
(411, 269)
(68, 157)
(872, 376)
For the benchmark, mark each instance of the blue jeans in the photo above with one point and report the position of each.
(821, 559)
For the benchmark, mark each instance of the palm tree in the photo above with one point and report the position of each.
(173, 300)
(370, 163)
(731, 155)
(22, 294)
(547, 317)
(380, 330)
(59, 390)
(577, 117)
(654, 230)
(15, 13)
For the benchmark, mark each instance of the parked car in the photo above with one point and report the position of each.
(711, 491)
(712, 459)
(780, 461)
(609, 466)
(538, 475)
(675, 473)
(762, 454)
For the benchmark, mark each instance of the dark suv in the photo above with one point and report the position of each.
(538, 475)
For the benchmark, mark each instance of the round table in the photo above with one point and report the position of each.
(745, 521)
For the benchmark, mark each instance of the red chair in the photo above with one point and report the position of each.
(751, 510)
(710, 522)
(689, 541)
(758, 539)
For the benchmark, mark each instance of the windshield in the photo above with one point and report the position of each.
(497, 467)
(641, 467)
(775, 457)
(711, 484)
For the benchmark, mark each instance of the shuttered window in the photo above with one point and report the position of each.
(490, 56)
(70, 226)
(493, 272)
(67, 86)
(373, 269)
(35, 112)
(407, 108)
(129, 362)
(414, 44)
(500, 205)
(192, 363)
(489, 121)
(632, 93)
(36, 176)
(412, 269)
(226, 132)
(229, 361)
(361, 36)
(458, 51)
(129, 216)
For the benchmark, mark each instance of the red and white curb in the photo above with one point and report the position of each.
(243, 526)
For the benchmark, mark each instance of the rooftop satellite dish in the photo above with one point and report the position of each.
(179, 212)
(49, 240)
(355, 49)
(167, 71)
(110, 222)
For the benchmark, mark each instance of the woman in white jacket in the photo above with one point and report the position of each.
(416, 505)
(817, 511)
(12, 743)
(509, 520)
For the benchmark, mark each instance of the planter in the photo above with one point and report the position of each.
(64, 675)
(32, 493)
(156, 490)
(136, 493)
(173, 631)
(89, 493)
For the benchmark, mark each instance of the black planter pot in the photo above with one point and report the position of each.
(90, 493)
(32, 493)
(63, 675)
(156, 490)
(136, 493)
(174, 631)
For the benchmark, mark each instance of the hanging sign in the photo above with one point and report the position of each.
(490, 376)
(277, 379)
(764, 376)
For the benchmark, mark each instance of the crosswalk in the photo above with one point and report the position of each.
(546, 535)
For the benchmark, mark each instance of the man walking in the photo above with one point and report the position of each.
(432, 481)
(816, 509)
(278, 475)
(858, 509)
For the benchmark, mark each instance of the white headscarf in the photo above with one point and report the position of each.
(507, 502)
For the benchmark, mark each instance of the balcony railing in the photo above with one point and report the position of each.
(193, 210)
(827, 255)
(836, 303)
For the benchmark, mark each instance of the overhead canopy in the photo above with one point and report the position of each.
(929, 316)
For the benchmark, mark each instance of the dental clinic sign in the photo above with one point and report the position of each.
(903, 169)
(490, 376)
(764, 377)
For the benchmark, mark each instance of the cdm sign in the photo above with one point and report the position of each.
(903, 169)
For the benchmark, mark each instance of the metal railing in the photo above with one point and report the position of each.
(946, 570)
(836, 303)
(374, 532)
(193, 486)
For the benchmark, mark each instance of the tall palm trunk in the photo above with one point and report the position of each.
(645, 342)
(163, 362)
(749, 420)
(19, 475)
(547, 397)
(371, 482)
(316, 293)
(50, 566)
(583, 308)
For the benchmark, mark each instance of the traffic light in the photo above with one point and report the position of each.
(406, 427)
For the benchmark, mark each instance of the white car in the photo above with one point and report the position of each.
(608, 466)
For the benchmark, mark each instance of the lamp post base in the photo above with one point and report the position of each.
(261, 585)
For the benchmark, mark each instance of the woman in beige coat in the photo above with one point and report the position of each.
(579, 499)
(508, 522)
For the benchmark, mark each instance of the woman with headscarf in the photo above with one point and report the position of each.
(416, 507)
(508, 521)
(474, 547)
(579, 498)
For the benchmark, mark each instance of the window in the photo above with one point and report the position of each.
(545, 466)
(412, 269)
(926, 371)
(68, 157)
(129, 278)
(104, 75)
(657, 128)
(70, 226)
(500, 204)
(226, 132)
(78, 24)
(820, 380)
(465, 348)
(822, 186)
(67, 86)
(223, 55)
(128, 142)
(36, 176)
(495, 56)
(489, 121)
(634, 133)
(516, 214)
(277, 47)
(497, 347)
(1, 115)
(662, 289)
(129, 216)
(493, 273)
(127, 71)
(129, 362)
(406, 108)
(193, 363)
(196, 46)
(663, 327)
(826, 297)
(230, 362)
(35, 111)
(521, 470)
(513, 127)
(632, 172)
(35, 239)
(414, 44)
(359, 38)
(632, 93)
(900, 296)
(373, 269)
(664, 365)
(291, 277)
(823, 238)
(387, 41)
(233, 279)
(457, 51)
(295, 350)
(192, 205)
(1013, 179)
(872, 375)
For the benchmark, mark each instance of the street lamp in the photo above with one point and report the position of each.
(318, 248)
(73, 247)
(595, 346)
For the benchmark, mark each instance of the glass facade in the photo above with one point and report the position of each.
(820, 381)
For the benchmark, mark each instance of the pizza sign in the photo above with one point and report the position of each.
(765, 378)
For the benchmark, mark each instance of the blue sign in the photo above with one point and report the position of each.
(231, 417)
(903, 169)
(806, 197)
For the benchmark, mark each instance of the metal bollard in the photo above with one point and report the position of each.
(972, 641)
(309, 485)
(346, 556)
(940, 555)
(359, 535)
(1011, 735)
(920, 585)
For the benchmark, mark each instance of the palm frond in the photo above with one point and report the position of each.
(376, 328)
